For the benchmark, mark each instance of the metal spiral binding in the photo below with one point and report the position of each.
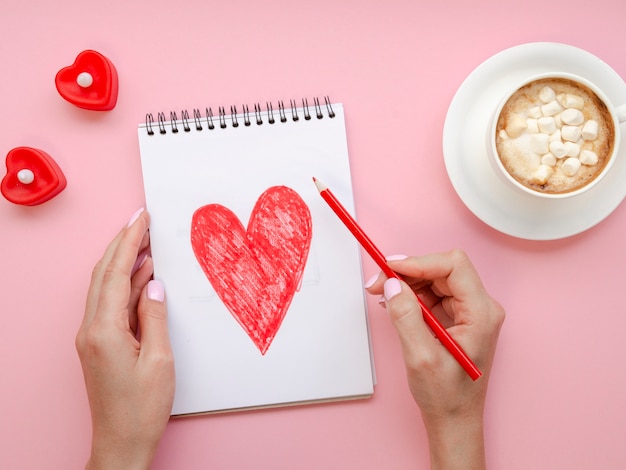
(234, 119)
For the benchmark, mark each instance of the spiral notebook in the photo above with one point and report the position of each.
(263, 282)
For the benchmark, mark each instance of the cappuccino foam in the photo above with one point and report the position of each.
(554, 135)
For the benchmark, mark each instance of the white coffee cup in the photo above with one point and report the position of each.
(531, 169)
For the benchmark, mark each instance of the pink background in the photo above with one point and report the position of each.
(557, 393)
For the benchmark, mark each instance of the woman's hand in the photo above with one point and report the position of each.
(125, 353)
(451, 403)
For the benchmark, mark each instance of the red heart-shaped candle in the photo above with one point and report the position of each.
(90, 82)
(32, 178)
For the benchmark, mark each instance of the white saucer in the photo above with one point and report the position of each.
(471, 173)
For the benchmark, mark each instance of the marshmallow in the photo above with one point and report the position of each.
(558, 121)
(571, 133)
(516, 126)
(546, 125)
(556, 136)
(573, 101)
(570, 166)
(590, 130)
(547, 94)
(534, 112)
(542, 174)
(551, 108)
(532, 126)
(558, 148)
(572, 117)
(548, 159)
(587, 157)
(539, 143)
(572, 149)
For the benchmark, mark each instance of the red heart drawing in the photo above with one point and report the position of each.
(90, 82)
(32, 178)
(257, 271)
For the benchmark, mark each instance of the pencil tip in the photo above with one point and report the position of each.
(320, 186)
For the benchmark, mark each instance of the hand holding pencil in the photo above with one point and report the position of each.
(422, 294)
(435, 325)
(451, 405)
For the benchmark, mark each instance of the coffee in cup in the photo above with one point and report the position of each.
(555, 135)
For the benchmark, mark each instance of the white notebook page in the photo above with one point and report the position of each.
(321, 350)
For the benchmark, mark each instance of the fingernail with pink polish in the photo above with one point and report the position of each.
(134, 217)
(396, 257)
(371, 281)
(155, 291)
(392, 288)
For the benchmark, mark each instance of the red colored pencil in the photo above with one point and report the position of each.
(437, 328)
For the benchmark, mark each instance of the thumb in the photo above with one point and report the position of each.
(406, 315)
(152, 317)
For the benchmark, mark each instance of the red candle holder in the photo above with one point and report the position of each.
(33, 177)
(90, 82)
